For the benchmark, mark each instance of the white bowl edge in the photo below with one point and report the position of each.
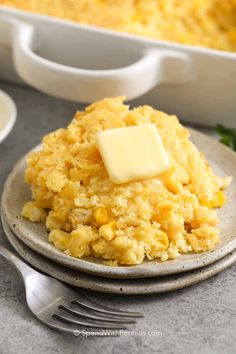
(8, 122)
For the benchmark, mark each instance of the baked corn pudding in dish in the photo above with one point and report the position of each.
(124, 222)
(207, 23)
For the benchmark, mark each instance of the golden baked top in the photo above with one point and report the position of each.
(206, 23)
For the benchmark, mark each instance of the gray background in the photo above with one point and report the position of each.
(199, 319)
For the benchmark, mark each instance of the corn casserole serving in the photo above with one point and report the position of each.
(207, 23)
(123, 224)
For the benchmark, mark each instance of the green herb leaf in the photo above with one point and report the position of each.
(227, 136)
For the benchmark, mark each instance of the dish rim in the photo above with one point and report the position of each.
(125, 35)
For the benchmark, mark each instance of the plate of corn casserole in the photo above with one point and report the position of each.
(72, 211)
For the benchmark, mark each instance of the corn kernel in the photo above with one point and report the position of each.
(101, 216)
(207, 203)
(218, 200)
(60, 239)
(107, 231)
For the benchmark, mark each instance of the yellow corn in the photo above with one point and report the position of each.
(101, 216)
(218, 200)
(107, 231)
(60, 239)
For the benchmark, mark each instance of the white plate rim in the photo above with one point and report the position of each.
(8, 126)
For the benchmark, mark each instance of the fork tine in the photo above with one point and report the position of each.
(103, 309)
(86, 323)
(92, 305)
(96, 316)
(62, 327)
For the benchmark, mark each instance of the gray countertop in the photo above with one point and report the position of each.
(199, 319)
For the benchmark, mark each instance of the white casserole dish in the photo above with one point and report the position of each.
(84, 63)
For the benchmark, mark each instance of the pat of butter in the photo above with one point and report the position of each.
(132, 153)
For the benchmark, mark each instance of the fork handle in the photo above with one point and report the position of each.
(20, 266)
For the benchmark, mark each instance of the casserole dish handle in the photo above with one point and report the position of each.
(155, 66)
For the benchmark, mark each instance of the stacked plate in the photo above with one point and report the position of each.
(31, 241)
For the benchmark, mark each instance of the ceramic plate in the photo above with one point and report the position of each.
(116, 286)
(8, 113)
(223, 160)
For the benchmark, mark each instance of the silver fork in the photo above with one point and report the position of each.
(63, 309)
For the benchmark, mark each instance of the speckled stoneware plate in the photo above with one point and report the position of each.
(116, 286)
(223, 160)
